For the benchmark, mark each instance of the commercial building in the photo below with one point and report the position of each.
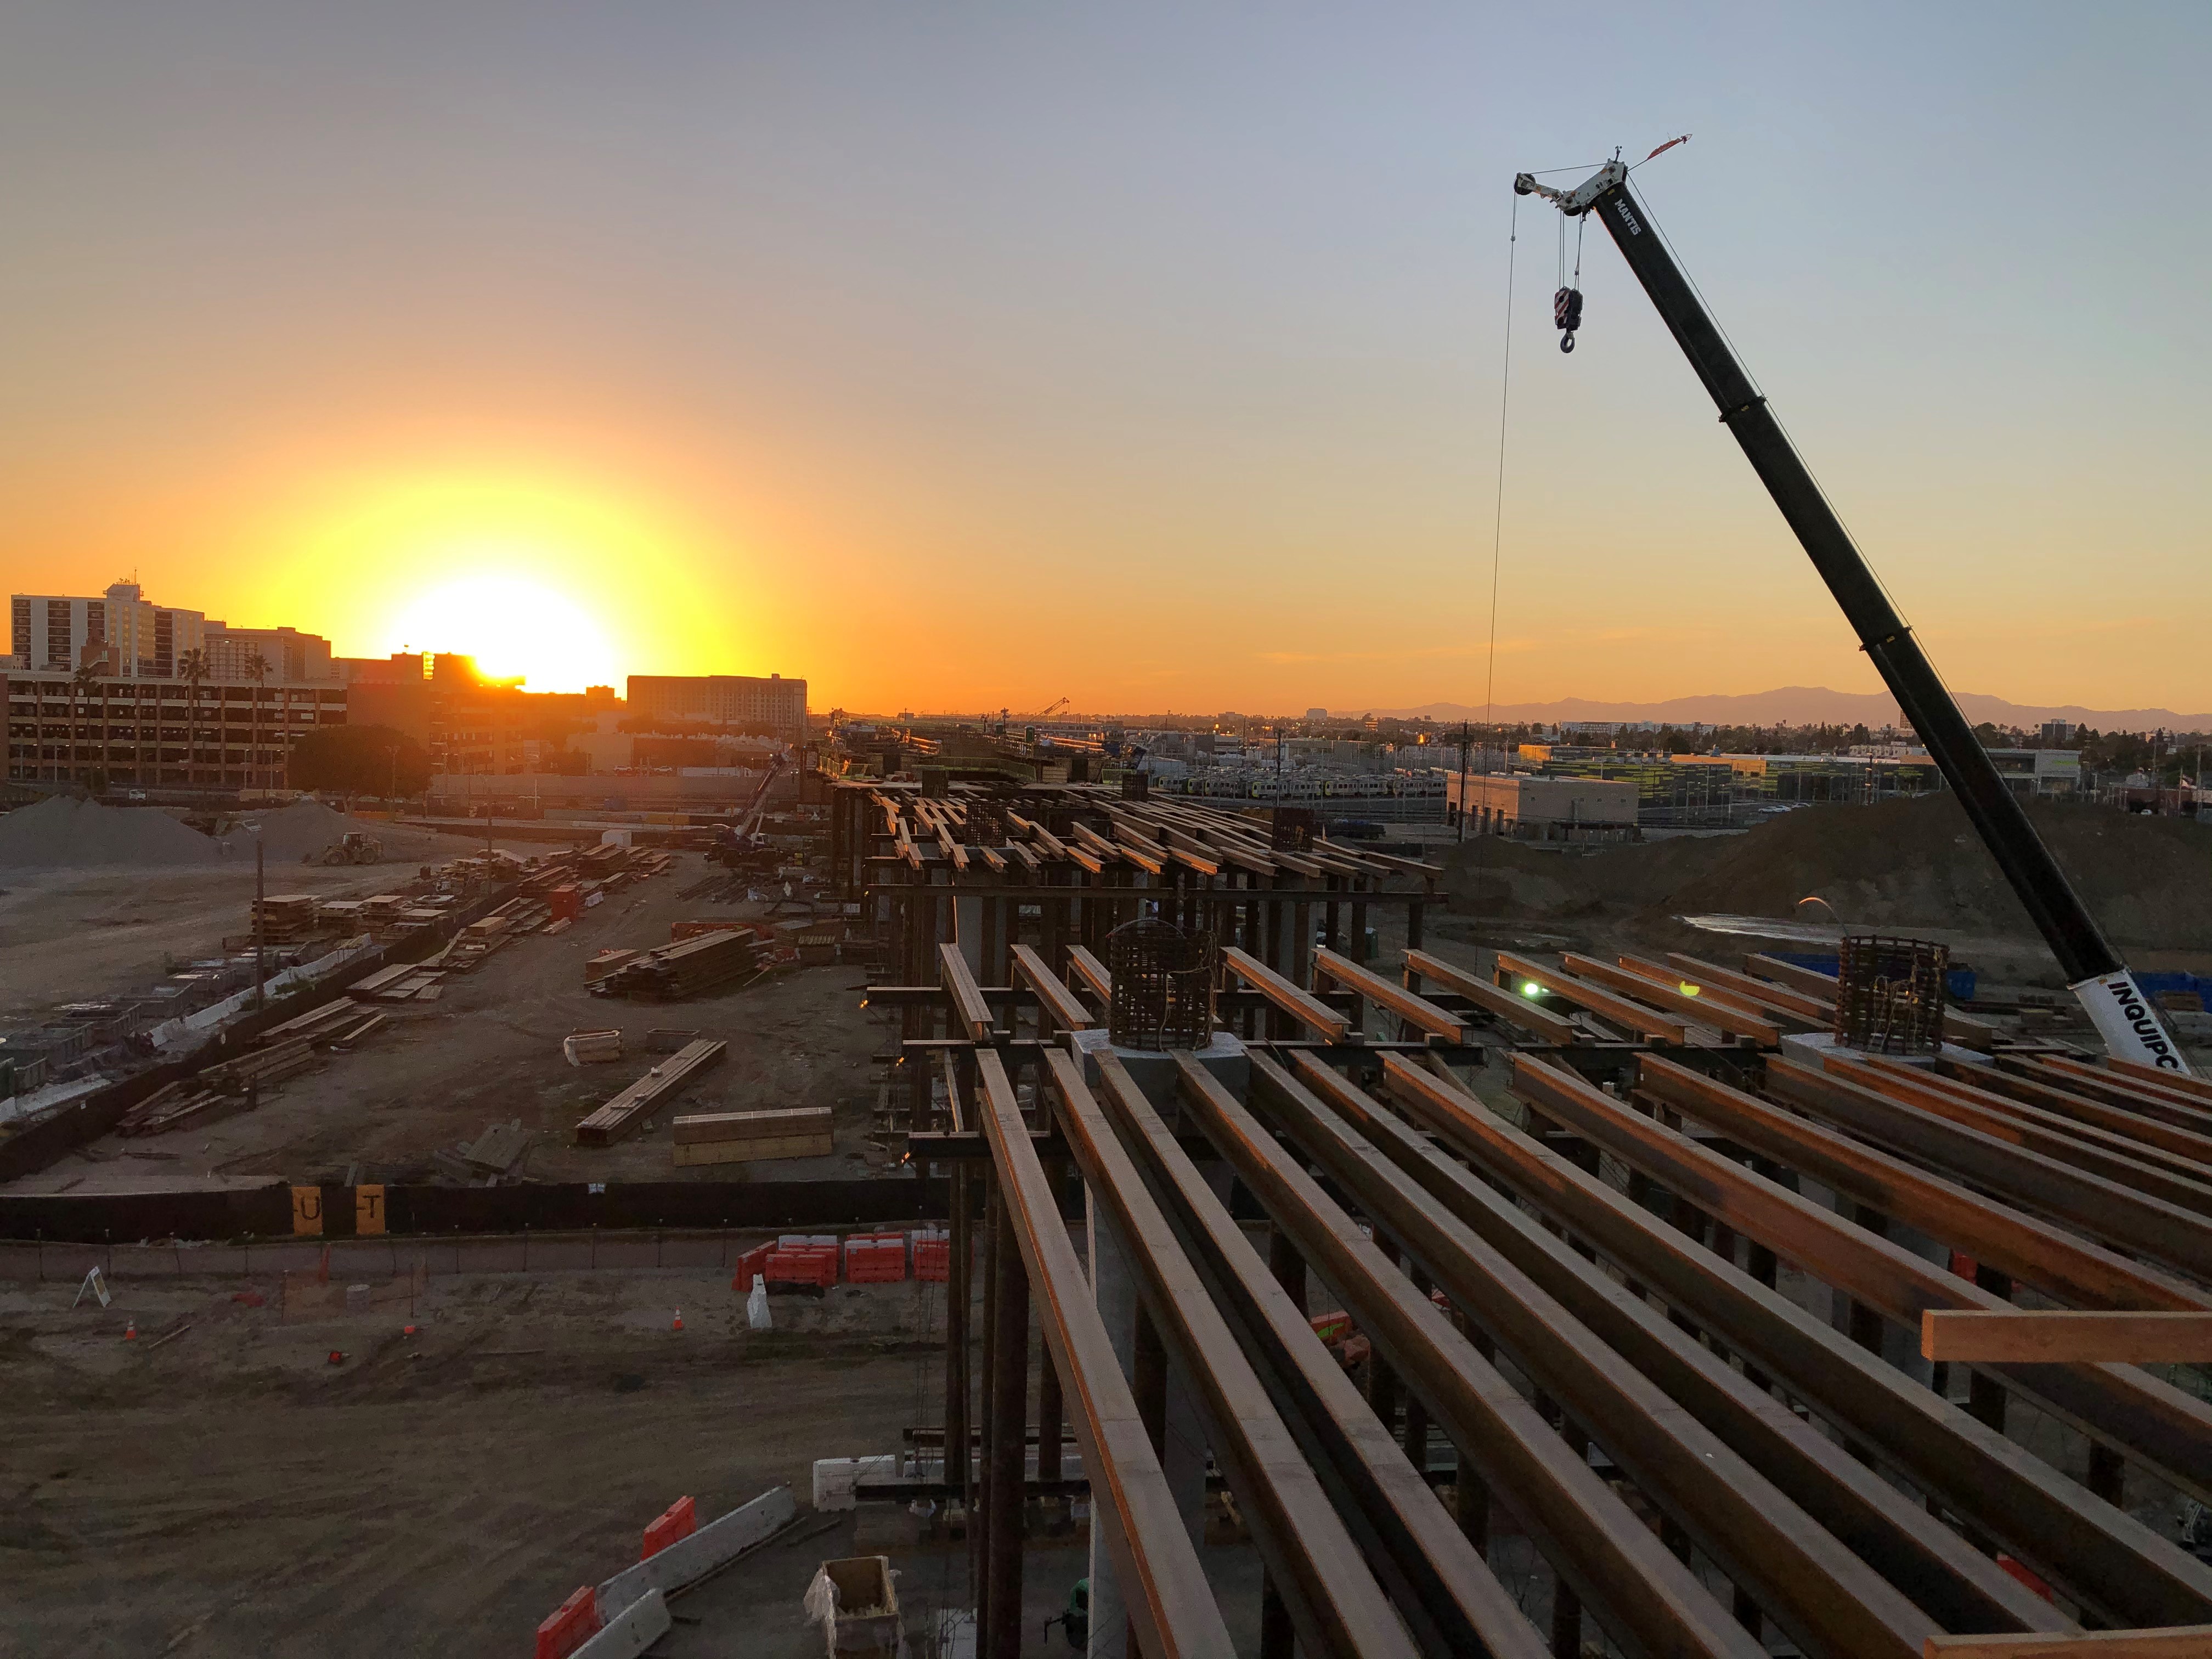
(1542, 809)
(156, 733)
(467, 723)
(776, 703)
(122, 634)
(292, 656)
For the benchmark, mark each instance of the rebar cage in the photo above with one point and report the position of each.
(1162, 986)
(1889, 994)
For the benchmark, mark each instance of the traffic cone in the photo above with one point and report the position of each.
(678, 1324)
(130, 1330)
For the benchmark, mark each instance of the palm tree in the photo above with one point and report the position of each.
(86, 678)
(257, 670)
(192, 669)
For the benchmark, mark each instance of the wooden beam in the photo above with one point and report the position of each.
(1513, 1010)
(1067, 1011)
(2173, 1641)
(969, 1007)
(1397, 998)
(2065, 1336)
(1092, 971)
(1632, 1016)
(1314, 1015)
(1670, 999)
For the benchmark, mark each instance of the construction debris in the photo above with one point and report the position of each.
(622, 1114)
(220, 1091)
(591, 1048)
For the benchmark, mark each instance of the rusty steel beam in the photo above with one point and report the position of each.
(2081, 1145)
(2195, 1090)
(1953, 1582)
(1519, 1010)
(969, 1006)
(1822, 1593)
(2066, 1267)
(2165, 1232)
(2160, 1426)
(1154, 1561)
(2067, 1098)
(1669, 997)
(1762, 994)
(1467, 1611)
(1307, 1009)
(1648, 1601)
(1397, 998)
(2105, 1560)
(1334, 1603)
(1621, 1010)
(1053, 996)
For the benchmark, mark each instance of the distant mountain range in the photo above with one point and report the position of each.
(1803, 705)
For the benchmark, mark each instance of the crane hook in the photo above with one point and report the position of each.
(1566, 342)
(1567, 313)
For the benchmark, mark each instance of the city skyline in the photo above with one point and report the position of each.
(774, 342)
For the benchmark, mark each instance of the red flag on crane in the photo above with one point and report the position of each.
(1668, 145)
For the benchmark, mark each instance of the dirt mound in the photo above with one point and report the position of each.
(63, 832)
(305, 827)
(1905, 864)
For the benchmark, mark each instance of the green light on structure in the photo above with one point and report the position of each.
(1688, 989)
(1532, 989)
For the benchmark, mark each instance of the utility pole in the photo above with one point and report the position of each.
(260, 913)
(1462, 779)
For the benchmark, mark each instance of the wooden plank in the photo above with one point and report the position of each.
(1092, 971)
(968, 1005)
(696, 1154)
(2065, 1336)
(1513, 1010)
(1067, 1011)
(1670, 1000)
(751, 1125)
(1604, 1004)
(1313, 1015)
(2173, 1641)
(1401, 1001)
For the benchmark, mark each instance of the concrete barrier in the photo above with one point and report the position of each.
(630, 1631)
(691, 1559)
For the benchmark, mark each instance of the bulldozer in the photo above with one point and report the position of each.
(353, 847)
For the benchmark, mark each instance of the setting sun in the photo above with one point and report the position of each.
(513, 628)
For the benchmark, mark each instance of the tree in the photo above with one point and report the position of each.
(192, 669)
(81, 682)
(360, 760)
(257, 670)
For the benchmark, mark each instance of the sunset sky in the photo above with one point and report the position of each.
(962, 355)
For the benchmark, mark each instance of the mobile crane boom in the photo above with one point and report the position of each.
(2115, 1004)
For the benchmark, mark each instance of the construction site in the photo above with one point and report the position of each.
(936, 1199)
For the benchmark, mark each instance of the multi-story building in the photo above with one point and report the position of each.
(776, 703)
(467, 723)
(123, 635)
(159, 733)
(291, 657)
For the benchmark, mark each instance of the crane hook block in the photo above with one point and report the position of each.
(1567, 312)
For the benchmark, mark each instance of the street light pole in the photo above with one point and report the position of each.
(260, 914)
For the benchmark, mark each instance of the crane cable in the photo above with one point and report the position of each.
(1497, 548)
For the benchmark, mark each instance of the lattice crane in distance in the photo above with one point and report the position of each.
(2116, 1005)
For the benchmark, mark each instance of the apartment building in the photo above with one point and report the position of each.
(157, 733)
(122, 634)
(775, 702)
(292, 656)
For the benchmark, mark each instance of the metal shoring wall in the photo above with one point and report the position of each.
(1171, 1603)
(1335, 1604)
(1467, 1610)
(1648, 1601)
(2123, 1406)
(1959, 1588)
(1824, 1596)
(2105, 1560)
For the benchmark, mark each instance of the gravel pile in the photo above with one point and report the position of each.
(62, 832)
(306, 827)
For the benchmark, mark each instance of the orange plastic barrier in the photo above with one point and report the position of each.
(679, 1520)
(568, 1626)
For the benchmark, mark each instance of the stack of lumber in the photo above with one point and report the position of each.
(657, 1088)
(692, 968)
(591, 1048)
(288, 918)
(741, 1137)
(405, 981)
(319, 1025)
(219, 1091)
(602, 963)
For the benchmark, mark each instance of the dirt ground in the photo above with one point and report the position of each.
(488, 1051)
(81, 935)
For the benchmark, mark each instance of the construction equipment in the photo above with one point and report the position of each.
(739, 846)
(2116, 1005)
(352, 848)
